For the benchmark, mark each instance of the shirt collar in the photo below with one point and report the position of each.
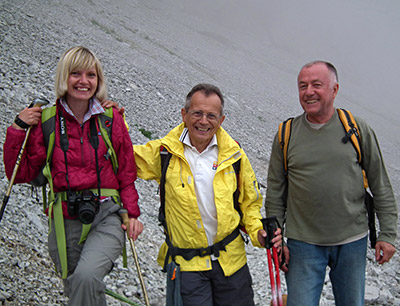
(95, 108)
(185, 139)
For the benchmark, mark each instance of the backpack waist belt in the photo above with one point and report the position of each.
(214, 249)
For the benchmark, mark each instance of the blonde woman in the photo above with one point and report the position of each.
(86, 235)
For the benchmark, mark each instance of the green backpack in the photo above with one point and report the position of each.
(48, 127)
(352, 133)
(53, 203)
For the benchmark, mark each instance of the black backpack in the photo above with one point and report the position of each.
(188, 254)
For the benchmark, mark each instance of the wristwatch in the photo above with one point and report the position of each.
(20, 123)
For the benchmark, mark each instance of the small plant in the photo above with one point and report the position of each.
(147, 134)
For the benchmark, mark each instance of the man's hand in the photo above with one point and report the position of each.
(285, 264)
(384, 251)
(277, 240)
(109, 103)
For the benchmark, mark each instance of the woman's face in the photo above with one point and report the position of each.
(82, 84)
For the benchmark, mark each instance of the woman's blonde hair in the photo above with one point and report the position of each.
(78, 58)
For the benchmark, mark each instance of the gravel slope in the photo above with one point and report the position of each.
(152, 53)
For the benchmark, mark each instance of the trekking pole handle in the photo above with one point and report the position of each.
(125, 219)
(270, 225)
(37, 102)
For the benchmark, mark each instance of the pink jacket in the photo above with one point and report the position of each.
(81, 159)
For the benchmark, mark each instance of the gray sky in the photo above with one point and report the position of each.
(360, 37)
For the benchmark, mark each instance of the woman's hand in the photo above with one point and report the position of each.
(31, 116)
(135, 228)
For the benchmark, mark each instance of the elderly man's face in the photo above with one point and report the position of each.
(203, 119)
(317, 91)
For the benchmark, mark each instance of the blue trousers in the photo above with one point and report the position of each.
(307, 269)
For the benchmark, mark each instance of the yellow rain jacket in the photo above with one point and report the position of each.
(182, 215)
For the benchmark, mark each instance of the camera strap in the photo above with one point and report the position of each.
(64, 144)
(94, 141)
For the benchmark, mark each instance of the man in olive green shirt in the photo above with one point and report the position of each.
(321, 201)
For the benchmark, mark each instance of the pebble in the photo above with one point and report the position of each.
(150, 61)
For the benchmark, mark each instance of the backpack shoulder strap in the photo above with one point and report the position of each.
(353, 134)
(106, 120)
(48, 128)
(284, 132)
(352, 131)
(105, 125)
(165, 158)
(236, 167)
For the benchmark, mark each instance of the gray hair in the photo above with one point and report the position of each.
(208, 90)
(328, 65)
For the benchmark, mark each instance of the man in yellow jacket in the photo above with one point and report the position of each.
(202, 224)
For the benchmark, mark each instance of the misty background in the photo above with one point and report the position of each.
(360, 37)
(269, 41)
(153, 52)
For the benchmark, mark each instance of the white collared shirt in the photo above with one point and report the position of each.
(204, 166)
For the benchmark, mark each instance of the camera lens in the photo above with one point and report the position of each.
(88, 207)
(87, 212)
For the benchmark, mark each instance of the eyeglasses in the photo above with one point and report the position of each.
(199, 115)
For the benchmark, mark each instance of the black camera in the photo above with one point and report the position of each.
(85, 204)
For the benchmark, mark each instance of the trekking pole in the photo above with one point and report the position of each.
(125, 219)
(271, 278)
(270, 226)
(37, 102)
